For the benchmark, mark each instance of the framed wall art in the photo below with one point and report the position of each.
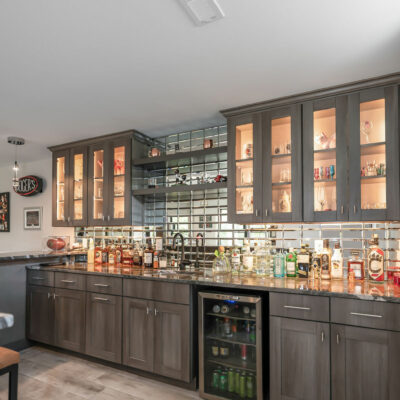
(5, 212)
(33, 218)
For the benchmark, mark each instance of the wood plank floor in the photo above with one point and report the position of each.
(45, 374)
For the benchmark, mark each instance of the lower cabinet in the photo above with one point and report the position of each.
(156, 337)
(299, 359)
(365, 363)
(69, 319)
(40, 314)
(172, 341)
(104, 326)
(138, 334)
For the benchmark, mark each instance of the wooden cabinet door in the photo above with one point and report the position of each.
(104, 326)
(374, 149)
(325, 158)
(172, 341)
(78, 198)
(282, 167)
(138, 334)
(244, 169)
(60, 189)
(299, 359)
(40, 314)
(119, 191)
(69, 319)
(365, 363)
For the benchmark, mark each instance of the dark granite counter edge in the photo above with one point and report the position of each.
(34, 256)
(224, 285)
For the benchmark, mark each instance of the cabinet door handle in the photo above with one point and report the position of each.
(354, 208)
(67, 281)
(155, 312)
(322, 336)
(298, 308)
(48, 295)
(108, 218)
(341, 209)
(337, 338)
(256, 213)
(266, 212)
(366, 315)
(148, 310)
(54, 296)
(100, 285)
(104, 217)
(69, 219)
(100, 299)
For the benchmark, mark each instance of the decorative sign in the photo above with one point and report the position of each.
(29, 186)
(5, 212)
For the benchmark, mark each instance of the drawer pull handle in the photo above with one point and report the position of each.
(100, 285)
(298, 308)
(322, 336)
(36, 278)
(337, 338)
(67, 281)
(366, 315)
(100, 299)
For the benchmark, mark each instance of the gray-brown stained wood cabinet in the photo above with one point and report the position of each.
(104, 326)
(342, 163)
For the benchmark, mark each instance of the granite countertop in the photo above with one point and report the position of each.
(363, 290)
(27, 255)
(6, 320)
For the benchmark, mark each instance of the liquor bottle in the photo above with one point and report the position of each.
(111, 254)
(235, 259)
(156, 260)
(303, 262)
(375, 261)
(148, 255)
(118, 253)
(127, 254)
(355, 266)
(291, 261)
(163, 259)
(337, 262)
(90, 254)
(326, 261)
(247, 265)
(104, 252)
(98, 259)
(279, 264)
(316, 265)
(261, 261)
(137, 256)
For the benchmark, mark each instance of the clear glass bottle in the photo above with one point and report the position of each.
(221, 262)
(235, 259)
(326, 261)
(261, 265)
(337, 262)
(279, 264)
(375, 261)
(291, 261)
(247, 266)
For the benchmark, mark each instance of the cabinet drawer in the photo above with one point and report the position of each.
(369, 314)
(104, 284)
(42, 278)
(153, 290)
(315, 308)
(67, 280)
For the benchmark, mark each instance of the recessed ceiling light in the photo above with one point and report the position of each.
(203, 11)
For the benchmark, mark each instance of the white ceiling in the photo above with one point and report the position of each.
(72, 69)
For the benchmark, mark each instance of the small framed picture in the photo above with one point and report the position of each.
(33, 218)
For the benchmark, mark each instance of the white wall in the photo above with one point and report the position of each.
(19, 239)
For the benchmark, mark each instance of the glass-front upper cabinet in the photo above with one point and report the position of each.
(78, 186)
(109, 182)
(325, 159)
(60, 188)
(120, 197)
(282, 183)
(244, 169)
(374, 155)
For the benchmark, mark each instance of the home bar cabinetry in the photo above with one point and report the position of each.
(84, 172)
(341, 164)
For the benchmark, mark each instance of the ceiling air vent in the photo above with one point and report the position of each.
(203, 11)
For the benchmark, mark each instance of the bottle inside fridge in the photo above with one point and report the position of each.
(230, 346)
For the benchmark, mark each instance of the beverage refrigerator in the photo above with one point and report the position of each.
(230, 346)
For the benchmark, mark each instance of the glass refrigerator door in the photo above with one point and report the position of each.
(231, 349)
